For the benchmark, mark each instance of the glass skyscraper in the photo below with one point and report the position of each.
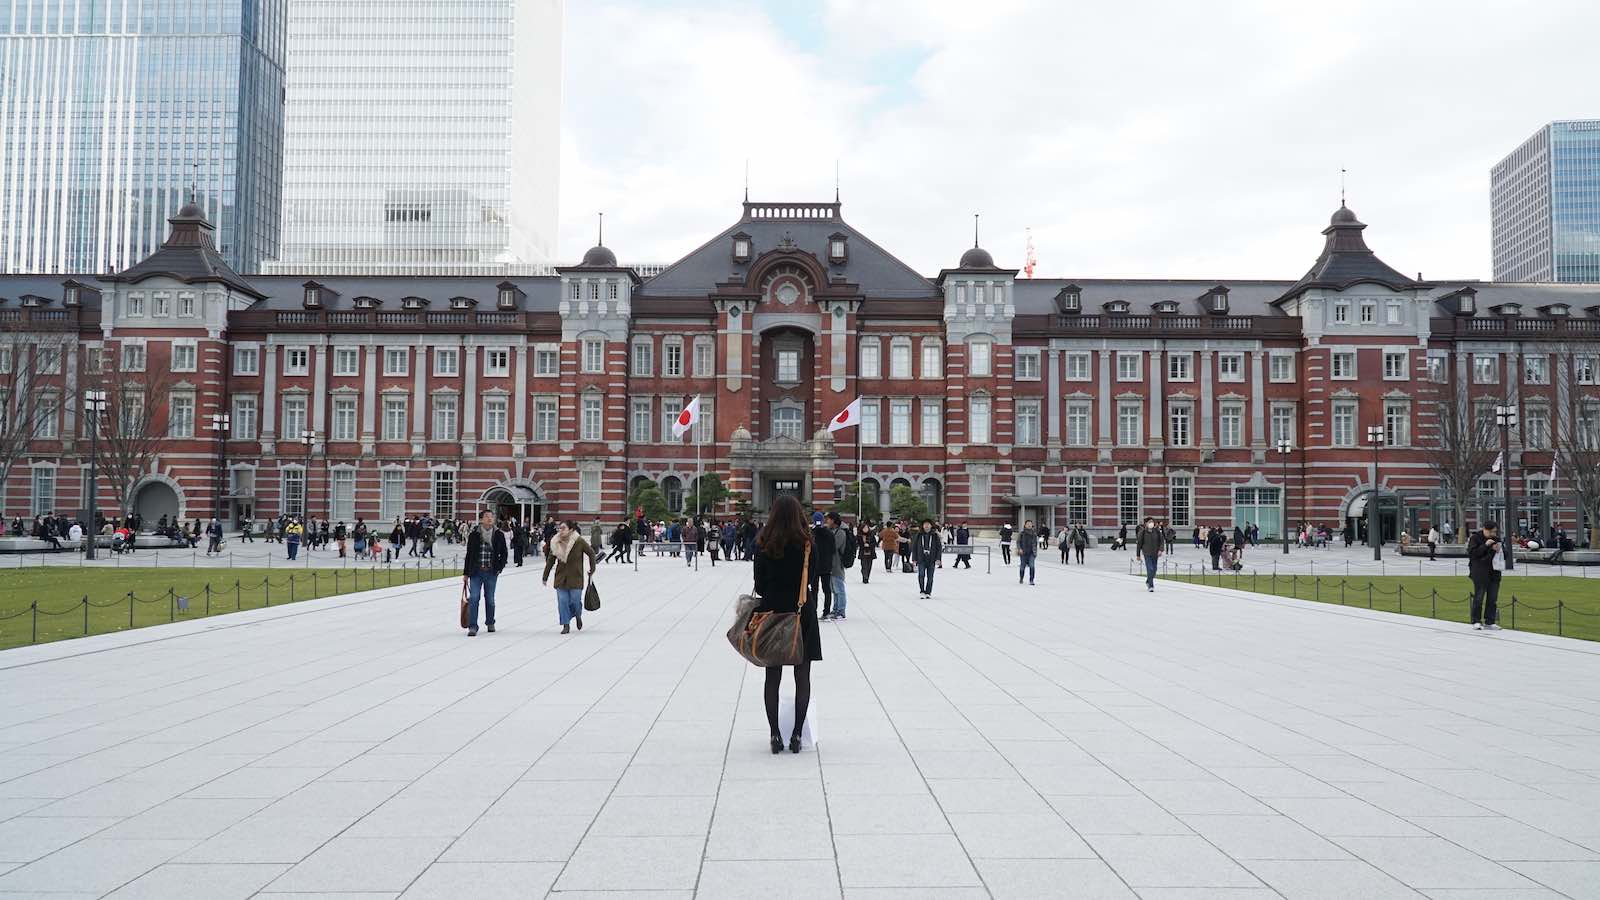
(422, 136)
(112, 112)
(1545, 206)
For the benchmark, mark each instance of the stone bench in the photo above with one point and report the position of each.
(1447, 551)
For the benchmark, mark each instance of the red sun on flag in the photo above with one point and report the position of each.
(842, 418)
(684, 418)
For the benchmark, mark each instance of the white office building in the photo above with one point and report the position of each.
(421, 136)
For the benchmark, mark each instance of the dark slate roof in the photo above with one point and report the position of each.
(977, 258)
(1346, 261)
(1034, 296)
(599, 257)
(1582, 298)
(51, 287)
(876, 270)
(541, 293)
(189, 255)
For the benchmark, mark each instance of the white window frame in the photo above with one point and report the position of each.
(547, 361)
(932, 358)
(246, 359)
(871, 363)
(705, 358)
(642, 358)
(980, 416)
(1337, 436)
(133, 356)
(244, 417)
(1394, 313)
(672, 357)
(593, 351)
(980, 357)
(900, 358)
(395, 409)
(1230, 367)
(346, 361)
(1286, 415)
(641, 416)
(932, 425)
(1028, 365)
(441, 507)
(1400, 372)
(900, 421)
(346, 418)
(871, 421)
(446, 417)
(1536, 369)
(1076, 366)
(296, 360)
(1180, 366)
(1341, 312)
(185, 347)
(1485, 368)
(1285, 360)
(496, 419)
(1230, 424)
(295, 416)
(180, 414)
(1029, 427)
(1180, 424)
(589, 484)
(391, 494)
(1084, 410)
(446, 362)
(1334, 367)
(1369, 312)
(396, 361)
(546, 419)
(1396, 423)
(592, 413)
(496, 362)
(1130, 366)
(1130, 423)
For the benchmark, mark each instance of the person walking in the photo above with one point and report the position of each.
(822, 565)
(1214, 543)
(690, 535)
(964, 541)
(1484, 555)
(1027, 549)
(214, 537)
(844, 550)
(867, 540)
(1005, 543)
(485, 558)
(928, 551)
(1080, 542)
(291, 537)
(889, 543)
(565, 554)
(1152, 540)
(1433, 543)
(340, 535)
(1064, 541)
(782, 548)
(903, 547)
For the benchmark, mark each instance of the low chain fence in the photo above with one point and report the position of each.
(166, 558)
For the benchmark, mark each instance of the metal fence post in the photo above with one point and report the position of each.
(1513, 610)
(266, 589)
(1559, 606)
(172, 604)
(35, 638)
(130, 609)
(85, 614)
(1369, 595)
(208, 598)
(238, 596)
(291, 587)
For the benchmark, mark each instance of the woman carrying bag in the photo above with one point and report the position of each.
(785, 587)
(565, 554)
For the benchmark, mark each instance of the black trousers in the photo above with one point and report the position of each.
(1079, 552)
(963, 558)
(1486, 599)
(925, 575)
(866, 569)
(905, 561)
(1005, 554)
(826, 580)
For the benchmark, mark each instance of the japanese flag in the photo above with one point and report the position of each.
(851, 416)
(687, 418)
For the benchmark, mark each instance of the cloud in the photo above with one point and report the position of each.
(1136, 139)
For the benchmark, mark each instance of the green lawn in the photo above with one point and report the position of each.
(73, 602)
(1547, 605)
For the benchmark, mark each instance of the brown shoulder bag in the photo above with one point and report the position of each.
(772, 638)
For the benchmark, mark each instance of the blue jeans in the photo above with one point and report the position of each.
(1025, 564)
(294, 546)
(482, 583)
(569, 603)
(1150, 571)
(925, 575)
(689, 551)
(838, 594)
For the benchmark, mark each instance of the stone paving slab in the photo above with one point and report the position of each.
(1078, 738)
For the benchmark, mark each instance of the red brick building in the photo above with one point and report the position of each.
(996, 397)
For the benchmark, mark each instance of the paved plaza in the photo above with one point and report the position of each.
(1079, 738)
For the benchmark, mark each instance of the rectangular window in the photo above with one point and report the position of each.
(640, 411)
(871, 358)
(184, 355)
(1027, 365)
(1396, 313)
(1179, 419)
(1439, 366)
(494, 418)
(347, 360)
(1130, 366)
(246, 361)
(1536, 370)
(131, 421)
(160, 305)
(1078, 434)
(788, 365)
(396, 360)
(593, 429)
(704, 427)
(1027, 485)
(47, 418)
(294, 418)
(1230, 425)
(1485, 368)
(392, 495)
(296, 360)
(132, 357)
(1369, 313)
(180, 416)
(1230, 367)
(44, 491)
(1283, 425)
(1078, 499)
(932, 423)
(978, 420)
(705, 365)
(933, 358)
(1395, 365)
(1181, 497)
(594, 355)
(979, 484)
(1130, 423)
(344, 495)
(1076, 365)
(344, 418)
(1129, 500)
(135, 306)
(445, 416)
(294, 491)
(1344, 423)
(496, 362)
(671, 408)
(589, 485)
(546, 361)
(870, 410)
(544, 419)
(1344, 364)
(643, 359)
(1281, 367)
(186, 306)
(394, 418)
(1587, 369)
(1028, 423)
(444, 494)
(900, 422)
(1397, 423)
(446, 362)
(980, 358)
(1341, 313)
(672, 359)
(1536, 427)
(1180, 367)
(243, 418)
(900, 358)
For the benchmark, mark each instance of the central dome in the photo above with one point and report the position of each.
(600, 257)
(977, 258)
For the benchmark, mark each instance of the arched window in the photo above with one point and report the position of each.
(786, 422)
(932, 494)
(672, 488)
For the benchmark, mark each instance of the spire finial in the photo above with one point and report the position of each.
(836, 180)
(194, 182)
(974, 231)
(1341, 186)
(601, 240)
(747, 179)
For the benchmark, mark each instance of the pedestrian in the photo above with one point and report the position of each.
(889, 543)
(1005, 543)
(1027, 549)
(690, 535)
(1172, 537)
(783, 586)
(963, 543)
(291, 537)
(1433, 543)
(1214, 542)
(485, 558)
(867, 540)
(1485, 563)
(340, 535)
(844, 552)
(903, 547)
(214, 536)
(1064, 541)
(565, 553)
(1152, 540)
(928, 551)
(822, 565)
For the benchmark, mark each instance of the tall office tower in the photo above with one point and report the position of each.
(113, 112)
(423, 136)
(1545, 206)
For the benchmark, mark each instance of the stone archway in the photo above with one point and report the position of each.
(154, 499)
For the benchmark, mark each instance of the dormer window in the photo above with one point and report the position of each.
(1217, 301)
(741, 248)
(1507, 309)
(367, 302)
(1116, 307)
(31, 300)
(1071, 299)
(462, 303)
(508, 298)
(1467, 303)
(1558, 309)
(1167, 307)
(70, 296)
(413, 303)
(836, 248)
(313, 297)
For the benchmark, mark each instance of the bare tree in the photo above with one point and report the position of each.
(1459, 450)
(29, 411)
(1577, 452)
(131, 428)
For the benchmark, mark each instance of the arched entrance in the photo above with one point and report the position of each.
(1356, 514)
(514, 501)
(153, 500)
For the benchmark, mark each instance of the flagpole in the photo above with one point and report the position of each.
(861, 480)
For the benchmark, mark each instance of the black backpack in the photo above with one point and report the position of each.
(848, 555)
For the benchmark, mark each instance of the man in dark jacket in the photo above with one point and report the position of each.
(1214, 543)
(963, 539)
(1027, 549)
(1005, 543)
(1482, 549)
(485, 558)
(1152, 540)
(822, 562)
(928, 552)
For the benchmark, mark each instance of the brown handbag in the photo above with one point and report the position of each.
(772, 638)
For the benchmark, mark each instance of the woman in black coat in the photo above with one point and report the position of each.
(782, 548)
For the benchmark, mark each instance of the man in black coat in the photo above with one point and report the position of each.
(1482, 549)
(1214, 543)
(822, 562)
(963, 539)
(485, 558)
(928, 552)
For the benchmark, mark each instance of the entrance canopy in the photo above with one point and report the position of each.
(1036, 500)
(519, 493)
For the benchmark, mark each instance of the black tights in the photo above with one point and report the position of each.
(802, 695)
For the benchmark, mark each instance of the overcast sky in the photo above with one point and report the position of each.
(1133, 138)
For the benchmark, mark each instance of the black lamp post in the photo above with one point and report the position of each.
(307, 437)
(94, 405)
(1285, 447)
(1506, 418)
(1374, 532)
(220, 423)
